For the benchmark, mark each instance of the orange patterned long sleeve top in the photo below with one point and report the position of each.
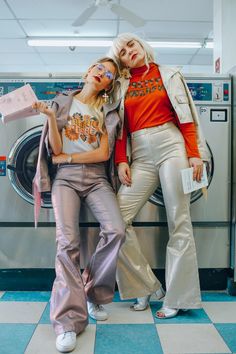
(147, 105)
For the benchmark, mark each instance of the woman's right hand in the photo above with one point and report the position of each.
(124, 174)
(43, 108)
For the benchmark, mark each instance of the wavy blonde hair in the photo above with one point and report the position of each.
(100, 100)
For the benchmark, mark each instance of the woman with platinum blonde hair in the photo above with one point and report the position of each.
(158, 113)
(80, 130)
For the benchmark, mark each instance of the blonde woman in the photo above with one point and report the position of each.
(81, 131)
(159, 114)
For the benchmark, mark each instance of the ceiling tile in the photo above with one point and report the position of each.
(87, 50)
(170, 30)
(92, 28)
(10, 29)
(202, 60)
(15, 46)
(5, 13)
(68, 58)
(54, 9)
(175, 51)
(197, 69)
(76, 69)
(23, 68)
(179, 59)
(20, 58)
(189, 10)
(205, 51)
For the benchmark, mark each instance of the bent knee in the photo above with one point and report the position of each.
(128, 210)
(123, 202)
(119, 233)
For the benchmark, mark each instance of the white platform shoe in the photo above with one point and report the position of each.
(142, 303)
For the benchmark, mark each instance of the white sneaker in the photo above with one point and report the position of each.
(66, 342)
(97, 312)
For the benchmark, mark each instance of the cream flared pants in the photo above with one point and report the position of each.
(158, 155)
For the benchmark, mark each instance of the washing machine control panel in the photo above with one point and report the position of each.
(45, 90)
(210, 92)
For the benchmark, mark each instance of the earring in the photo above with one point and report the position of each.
(106, 97)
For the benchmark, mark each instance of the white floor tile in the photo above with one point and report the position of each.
(119, 312)
(42, 341)
(21, 312)
(86, 340)
(221, 312)
(191, 339)
(44, 338)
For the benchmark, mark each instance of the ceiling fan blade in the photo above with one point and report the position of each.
(84, 16)
(128, 15)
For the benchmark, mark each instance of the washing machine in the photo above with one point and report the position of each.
(23, 247)
(232, 281)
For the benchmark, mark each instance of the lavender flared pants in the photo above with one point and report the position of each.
(68, 309)
(158, 155)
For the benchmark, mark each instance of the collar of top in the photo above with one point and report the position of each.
(142, 69)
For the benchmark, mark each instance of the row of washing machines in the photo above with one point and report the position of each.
(23, 247)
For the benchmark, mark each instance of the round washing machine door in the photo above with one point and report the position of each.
(22, 165)
(157, 197)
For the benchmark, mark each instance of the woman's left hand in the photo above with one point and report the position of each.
(197, 165)
(61, 158)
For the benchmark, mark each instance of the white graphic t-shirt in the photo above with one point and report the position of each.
(82, 132)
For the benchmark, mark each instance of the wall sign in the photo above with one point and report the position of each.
(3, 165)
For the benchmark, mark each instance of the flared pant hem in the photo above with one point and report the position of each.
(101, 299)
(134, 294)
(59, 329)
(180, 306)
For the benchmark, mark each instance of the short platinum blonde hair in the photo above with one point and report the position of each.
(122, 39)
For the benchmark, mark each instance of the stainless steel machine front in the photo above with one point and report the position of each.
(232, 285)
(22, 246)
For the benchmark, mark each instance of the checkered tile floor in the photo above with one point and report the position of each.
(25, 328)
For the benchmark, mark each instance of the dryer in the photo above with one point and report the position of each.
(22, 246)
(25, 247)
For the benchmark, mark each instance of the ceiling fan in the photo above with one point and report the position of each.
(119, 10)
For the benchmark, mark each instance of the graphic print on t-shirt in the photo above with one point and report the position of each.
(82, 127)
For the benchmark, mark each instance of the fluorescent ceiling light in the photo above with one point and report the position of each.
(76, 42)
(175, 44)
(209, 45)
(68, 43)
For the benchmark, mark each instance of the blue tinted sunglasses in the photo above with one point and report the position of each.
(107, 73)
